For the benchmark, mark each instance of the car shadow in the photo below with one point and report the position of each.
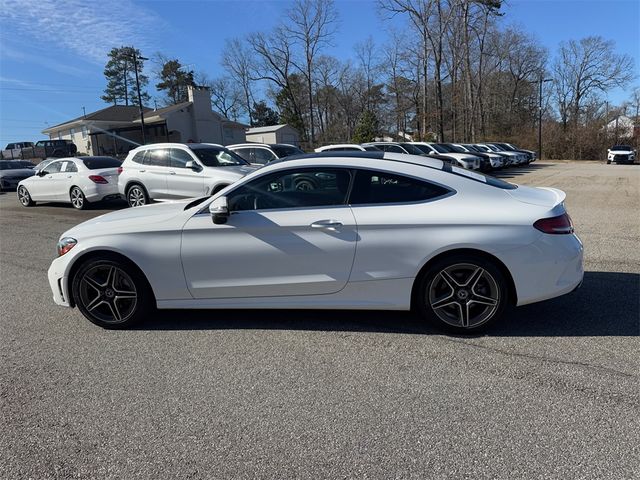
(607, 304)
(511, 172)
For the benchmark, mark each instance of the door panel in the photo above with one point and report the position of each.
(44, 188)
(183, 182)
(269, 253)
(155, 172)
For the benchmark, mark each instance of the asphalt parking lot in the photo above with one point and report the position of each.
(550, 393)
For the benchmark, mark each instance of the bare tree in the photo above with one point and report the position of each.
(238, 61)
(311, 24)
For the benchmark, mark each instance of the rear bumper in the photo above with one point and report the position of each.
(550, 267)
(97, 192)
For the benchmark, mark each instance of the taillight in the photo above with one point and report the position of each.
(555, 225)
(97, 179)
(120, 170)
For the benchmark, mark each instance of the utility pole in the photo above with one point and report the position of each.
(84, 112)
(541, 81)
(135, 69)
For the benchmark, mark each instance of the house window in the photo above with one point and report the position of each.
(72, 132)
(84, 131)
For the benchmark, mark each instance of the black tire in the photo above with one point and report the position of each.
(459, 285)
(137, 196)
(25, 200)
(608, 162)
(112, 293)
(78, 200)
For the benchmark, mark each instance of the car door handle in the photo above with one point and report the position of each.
(172, 172)
(142, 171)
(327, 224)
(69, 176)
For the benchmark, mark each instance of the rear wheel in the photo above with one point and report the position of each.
(463, 293)
(137, 196)
(78, 199)
(111, 294)
(24, 197)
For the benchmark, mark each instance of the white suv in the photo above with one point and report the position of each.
(169, 171)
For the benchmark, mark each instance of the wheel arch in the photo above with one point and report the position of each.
(513, 293)
(215, 189)
(102, 253)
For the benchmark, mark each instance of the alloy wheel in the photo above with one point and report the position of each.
(77, 198)
(464, 295)
(136, 197)
(24, 197)
(108, 293)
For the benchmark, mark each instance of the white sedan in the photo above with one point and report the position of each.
(75, 180)
(377, 231)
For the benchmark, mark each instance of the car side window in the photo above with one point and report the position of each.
(297, 188)
(393, 149)
(179, 158)
(371, 187)
(157, 157)
(71, 167)
(244, 153)
(263, 156)
(53, 167)
(139, 157)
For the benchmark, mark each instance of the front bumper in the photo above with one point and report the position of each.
(58, 282)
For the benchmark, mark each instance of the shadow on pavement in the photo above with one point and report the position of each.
(512, 172)
(607, 304)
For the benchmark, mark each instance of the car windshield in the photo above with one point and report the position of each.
(439, 148)
(285, 150)
(446, 148)
(624, 148)
(457, 149)
(496, 148)
(506, 146)
(94, 163)
(10, 165)
(218, 157)
(472, 148)
(412, 149)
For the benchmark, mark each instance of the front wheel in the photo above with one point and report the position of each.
(463, 294)
(111, 294)
(78, 199)
(24, 197)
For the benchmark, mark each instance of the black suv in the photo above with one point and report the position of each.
(55, 148)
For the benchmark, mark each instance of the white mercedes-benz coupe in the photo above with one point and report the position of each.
(369, 230)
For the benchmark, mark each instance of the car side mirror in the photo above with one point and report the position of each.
(42, 173)
(219, 210)
(192, 165)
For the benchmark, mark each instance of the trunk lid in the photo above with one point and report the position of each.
(542, 196)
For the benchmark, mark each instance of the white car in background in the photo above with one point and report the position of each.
(75, 180)
(496, 160)
(621, 154)
(170, 171)
(263, 153)
(466, 160)
(380, 231)
(516, 157)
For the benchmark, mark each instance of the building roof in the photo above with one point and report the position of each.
(268, 129)
(114, 113)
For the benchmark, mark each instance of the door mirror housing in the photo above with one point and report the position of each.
(42, 173)
(193, 166)
(219, 210)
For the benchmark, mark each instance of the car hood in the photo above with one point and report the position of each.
(235, 171)
(469, 157)
(543, 196)
(17, 172)
(161, 215)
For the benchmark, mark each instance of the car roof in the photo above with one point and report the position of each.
(177, 145)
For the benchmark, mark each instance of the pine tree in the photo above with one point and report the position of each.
(174, 81)
(367, 128)
(121, 80)
(263, 116)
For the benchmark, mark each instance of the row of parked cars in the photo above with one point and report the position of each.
(473, 156)
(170, 171)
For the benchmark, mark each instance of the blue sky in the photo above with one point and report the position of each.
(52, 52)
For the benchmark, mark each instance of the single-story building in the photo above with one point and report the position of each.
(117, 129)
(274, 134)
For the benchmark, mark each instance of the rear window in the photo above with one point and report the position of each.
(95, 163)
(479, 177)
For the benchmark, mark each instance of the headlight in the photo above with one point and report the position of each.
(65, 244)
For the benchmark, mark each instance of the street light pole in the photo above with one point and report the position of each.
(135, 69)
(541, 81)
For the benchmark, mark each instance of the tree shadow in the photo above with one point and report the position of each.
(607, 304)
